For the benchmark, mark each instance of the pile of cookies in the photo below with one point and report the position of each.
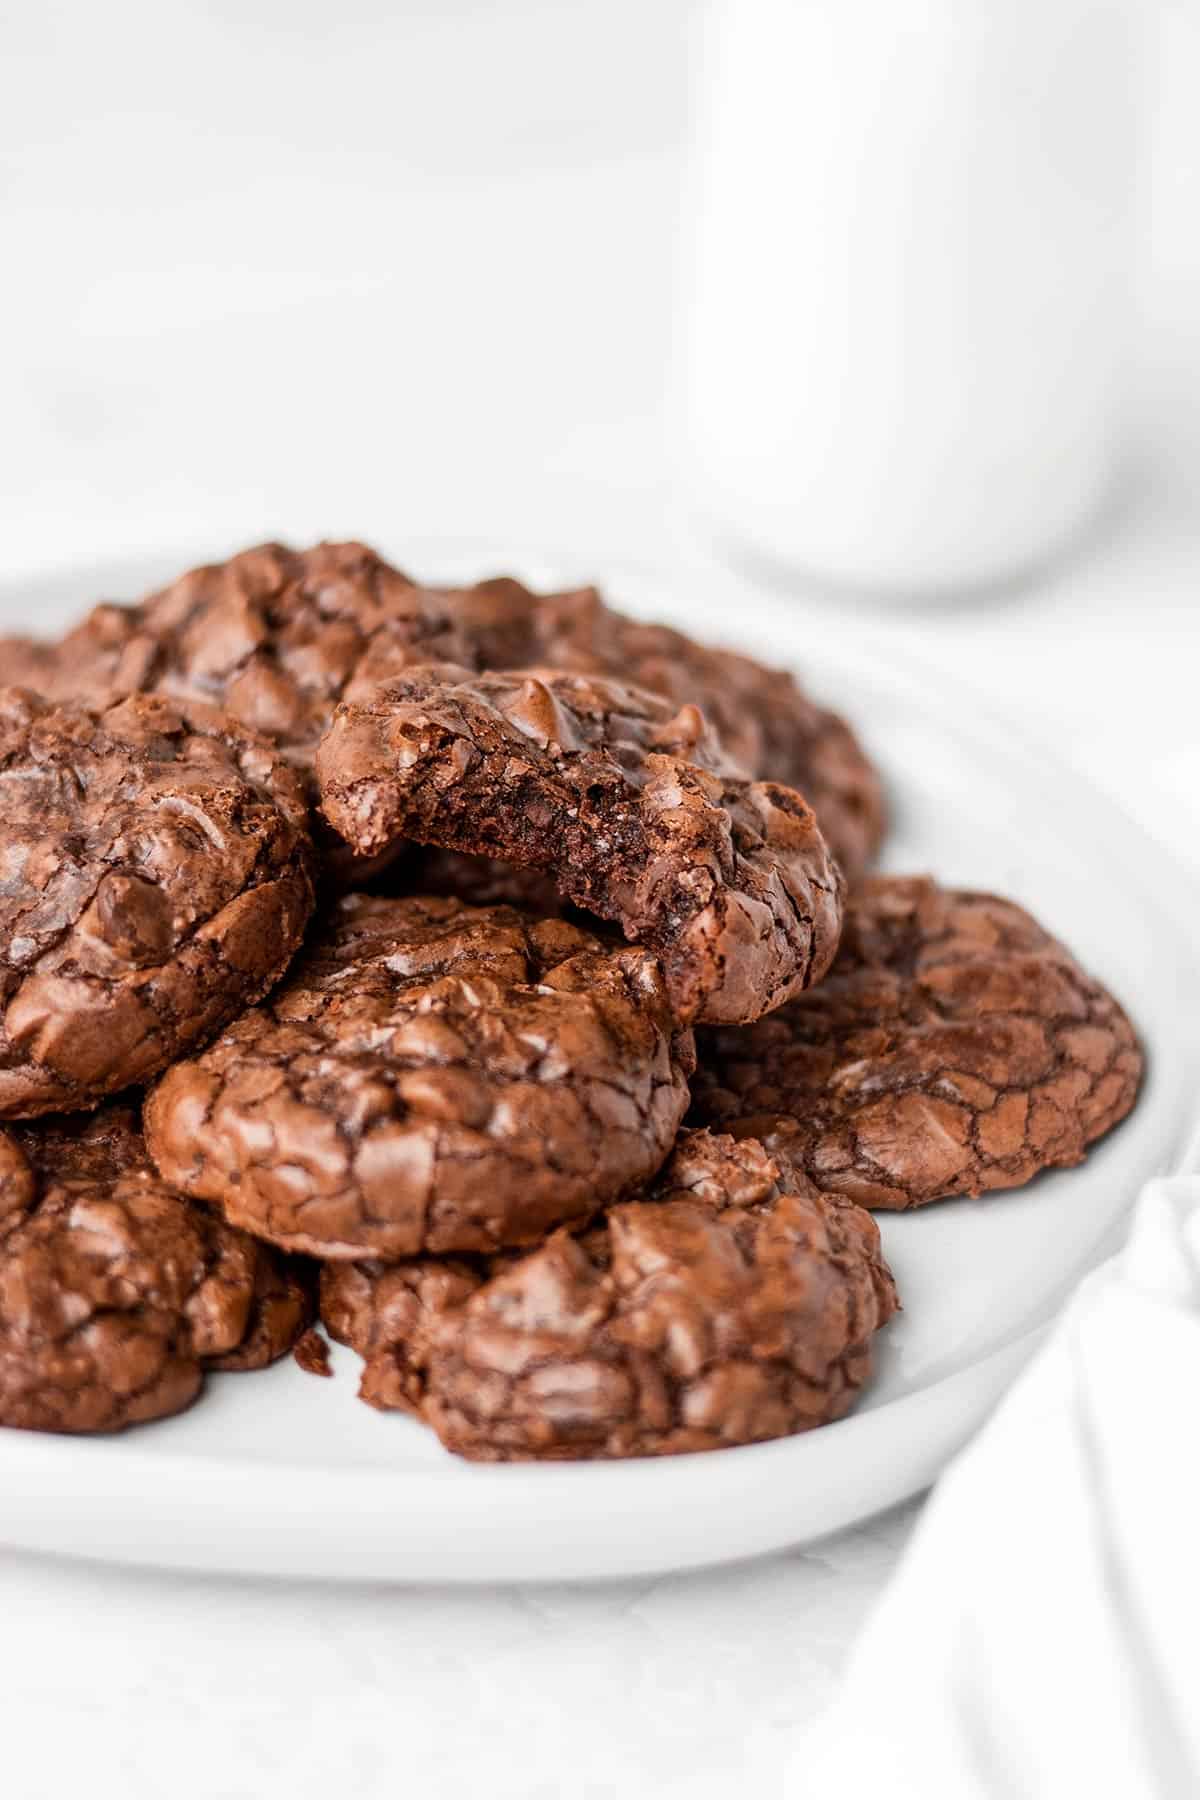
(498, 979)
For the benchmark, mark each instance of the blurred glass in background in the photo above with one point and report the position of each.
(907, 280)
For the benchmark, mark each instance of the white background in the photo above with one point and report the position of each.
(407, 270)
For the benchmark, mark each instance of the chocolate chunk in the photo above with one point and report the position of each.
(116, 1294)
(954, 1048)
(430, 1076)
(732, 1304)
(277, 637)
(633, 809)
(154, 878)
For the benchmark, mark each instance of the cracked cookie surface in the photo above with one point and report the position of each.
(271, 636)
(765, 719)
(278, 636)
(430, 1076)
(116, 1294)
(632, 808)
(731, 1304)
(954, 1048)
(154, 878)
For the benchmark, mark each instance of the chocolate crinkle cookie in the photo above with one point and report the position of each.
(271, 636)
(731, 1304)
(154, 879)
(954, 1048)
(633, 808)
(431, 1076)
(278, 636)
(117, 1294)
(764, 718)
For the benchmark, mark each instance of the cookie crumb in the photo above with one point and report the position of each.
(312, 1353)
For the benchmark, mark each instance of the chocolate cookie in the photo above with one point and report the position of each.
(633, 809)
(954, 1048)
(430, 1076)
(116, 1295)
(275, 636)
(732, 1304)
(154, 878)
(766, 721)
(271, 636)
(279, 636)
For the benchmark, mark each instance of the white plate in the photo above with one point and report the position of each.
(283, 1474)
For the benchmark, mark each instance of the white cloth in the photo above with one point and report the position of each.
(1041, 1637)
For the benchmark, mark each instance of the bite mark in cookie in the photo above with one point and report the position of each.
(278, 636)
(633, 809)
(765, 719)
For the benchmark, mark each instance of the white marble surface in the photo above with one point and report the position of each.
(413, 275)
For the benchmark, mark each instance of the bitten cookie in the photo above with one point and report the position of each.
(278, 636)
(955, 1047)
(633, 809)
(154, 878)
(430, 1076)
(732, 1304)
(116, 1294)
(765, 719)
